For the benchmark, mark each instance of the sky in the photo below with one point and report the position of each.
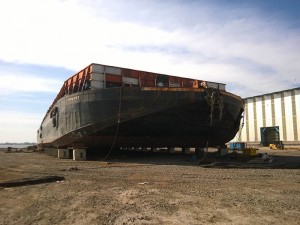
(251, 45)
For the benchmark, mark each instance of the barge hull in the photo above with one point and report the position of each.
(142, 117)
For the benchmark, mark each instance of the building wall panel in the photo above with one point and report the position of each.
(259, 116)
(278, 113)
(283, 117)
(288, 116)
(250, 120)
(297, 108)
(268, 110)
(243, 136)
(244, 126)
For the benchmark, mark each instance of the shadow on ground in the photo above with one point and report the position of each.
(210, 160)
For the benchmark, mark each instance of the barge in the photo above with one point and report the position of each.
(105, 106)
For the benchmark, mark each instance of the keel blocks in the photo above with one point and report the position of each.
(79, 154)
(171, 150)
(186, 150)
(63, 154)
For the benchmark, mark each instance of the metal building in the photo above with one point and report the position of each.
(272, 117)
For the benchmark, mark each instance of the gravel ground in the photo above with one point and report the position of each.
(149, 188)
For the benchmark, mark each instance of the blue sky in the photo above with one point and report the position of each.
(253, 46)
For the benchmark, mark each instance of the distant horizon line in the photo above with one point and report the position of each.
(17, 143)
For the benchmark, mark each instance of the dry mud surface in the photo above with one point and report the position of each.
(151, 189)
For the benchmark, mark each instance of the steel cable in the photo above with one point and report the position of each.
(117, 129)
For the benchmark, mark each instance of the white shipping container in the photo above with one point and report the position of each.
(112, 70)
(98, 76)
(96, 68)
(97, 85)
(216, 85)
(129, 80)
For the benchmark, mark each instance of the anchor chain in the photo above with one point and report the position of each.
(215, 100)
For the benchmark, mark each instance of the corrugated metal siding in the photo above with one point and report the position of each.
(294, 111)
(273, 110)
(259, 119)
(250, 120)
(297, 103)
(268, 110)
(263, 111)
(255, 120)
(283, 117)
(278, 113)
(288, 116)
(245, 135)
(280, 109)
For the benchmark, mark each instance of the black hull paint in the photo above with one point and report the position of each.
(141, 117)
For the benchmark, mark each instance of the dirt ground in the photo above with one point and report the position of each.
(147, 188)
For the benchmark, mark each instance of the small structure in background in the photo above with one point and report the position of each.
(272, 118)
(237, 145)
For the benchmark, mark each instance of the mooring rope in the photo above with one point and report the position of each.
(241, 129)
(216, 100)
(118, 125)
(212, 103)
(221, 106)
(204, 155)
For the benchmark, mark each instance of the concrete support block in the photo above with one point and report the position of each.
(79, 154)
(171, 150)
(51, 151)
(186, 150)
(154, 149)
(200, 152)
(63, 153)
(223, 152)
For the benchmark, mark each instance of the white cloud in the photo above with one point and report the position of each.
(19, 82)
(21, 126)
(142, 35)
(251, 52)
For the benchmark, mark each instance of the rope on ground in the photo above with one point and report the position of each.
(204, 155)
